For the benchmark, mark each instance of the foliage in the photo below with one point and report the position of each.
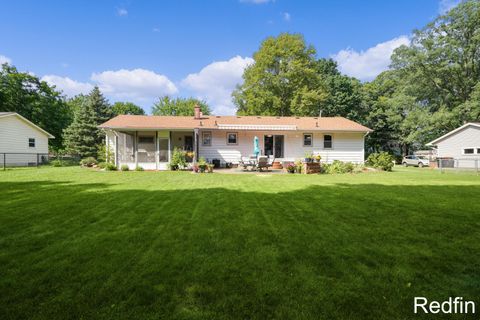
(102, 165)
(166, 106)
(338, 166)
(299, 166)
(105, 154)
(202, 164)
(210, 167)
(56, 163)
(119, 108)
(381, 160)
(291, 168)
(178, 159)
(88, 162)
(139, 168)
(83, 137)
(35, 100)
(124, 167)
(110, 167)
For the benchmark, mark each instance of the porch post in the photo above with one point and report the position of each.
(169, 146)
(156, 150)
(136, 148)
(195, 145)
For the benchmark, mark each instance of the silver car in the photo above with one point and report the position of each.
(417, 161)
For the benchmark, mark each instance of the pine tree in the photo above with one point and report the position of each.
(100, 105)
(81, 137)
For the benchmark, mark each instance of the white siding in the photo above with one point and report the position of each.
(453, 145)
(347, 146)
(14, 135)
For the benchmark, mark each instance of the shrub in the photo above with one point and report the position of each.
(338, 167)
(88, 162)
(56, 163)
(110, 167)
(124, 167)
(381, 160)
(298, 166)
(178, 159)
(102, 165)
(138, 168)
(202, 164)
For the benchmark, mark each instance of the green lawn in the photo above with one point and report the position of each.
(76, 243)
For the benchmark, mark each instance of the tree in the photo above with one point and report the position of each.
(282, 81)
(119, 108)
(100, 105)
(166, 106)
(81, 137)
(35, 100)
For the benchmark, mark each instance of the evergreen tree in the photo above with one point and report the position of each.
(81, 137)
(100, 105)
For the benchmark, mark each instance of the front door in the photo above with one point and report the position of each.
(188, 145)
(273, 145)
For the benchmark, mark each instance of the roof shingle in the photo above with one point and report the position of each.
(212, 122)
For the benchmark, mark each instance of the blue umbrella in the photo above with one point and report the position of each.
(256, 147)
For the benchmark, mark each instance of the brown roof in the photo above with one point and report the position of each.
(217, 122)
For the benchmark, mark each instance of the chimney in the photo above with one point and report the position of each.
(198, 113)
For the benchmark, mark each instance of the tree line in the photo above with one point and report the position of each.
(431, 87)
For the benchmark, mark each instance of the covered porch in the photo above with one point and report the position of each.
(151, 150)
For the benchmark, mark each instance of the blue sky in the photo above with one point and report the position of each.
(139, 50)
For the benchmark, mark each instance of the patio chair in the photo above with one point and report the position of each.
(244, 162)
(262, 163)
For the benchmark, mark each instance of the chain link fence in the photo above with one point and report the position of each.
(458, 164)
(18, 159)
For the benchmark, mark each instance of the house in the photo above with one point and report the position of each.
(148, 141)
(22, 143)
(461, 144)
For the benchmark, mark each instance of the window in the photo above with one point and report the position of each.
(31, 142)
(232, 138)
(206, 138)
(145, 139)
(307, 140)
(478, 150)
(327, 141)
(468, 151)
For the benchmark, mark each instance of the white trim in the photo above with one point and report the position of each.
(28, 122)
(434, 142)
(323, 141)
(236, 139)
(256, 127)
(311, 139)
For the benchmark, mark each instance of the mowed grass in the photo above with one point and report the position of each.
(81, 244)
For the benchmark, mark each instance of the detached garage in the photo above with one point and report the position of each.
(22, 143)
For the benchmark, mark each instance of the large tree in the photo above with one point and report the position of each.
(119, 108)
(35, 100)
(82, 136)
(283, 80)
(166, 106)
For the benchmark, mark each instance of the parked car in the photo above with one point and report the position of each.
(417, 161)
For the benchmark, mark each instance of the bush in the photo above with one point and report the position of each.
(102, 165)
(56, 163)
(88, 162)
(178, 159)
(124, 167)
(381, 160)
(291, 168)
(338, 167)
(138, 168)
(110, 167)
(202, 164)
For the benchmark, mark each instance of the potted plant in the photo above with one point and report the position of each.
(291, 168)
(210, 168)
(308, 157)
(317, 158)
(202, 164)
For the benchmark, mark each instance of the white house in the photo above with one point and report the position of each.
(148, 141)
(461, 144)
(22, 143)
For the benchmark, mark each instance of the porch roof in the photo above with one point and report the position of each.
(134, 122)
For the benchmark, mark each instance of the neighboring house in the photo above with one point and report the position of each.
(22, 142)
(148, 141)
(462, 144)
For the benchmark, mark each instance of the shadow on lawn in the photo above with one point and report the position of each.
(337, 252)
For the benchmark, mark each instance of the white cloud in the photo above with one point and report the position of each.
(446, 5)
(69, 87)
(366, 65)
(156, 30)
(286, 16)
(122, 12)
(4, 59)
(257, 1)
(215, 83)
(137, 85)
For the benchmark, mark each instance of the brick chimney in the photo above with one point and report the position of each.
(198, 113)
